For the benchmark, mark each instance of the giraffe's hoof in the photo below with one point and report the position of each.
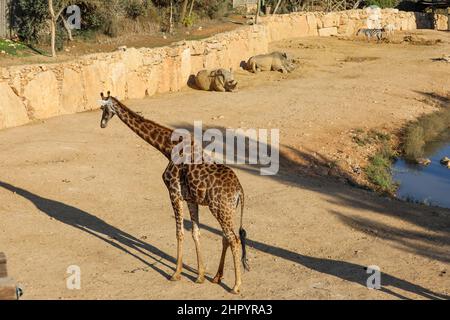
(236, 290)
(217, 279)
(200, 280)
(175, 277)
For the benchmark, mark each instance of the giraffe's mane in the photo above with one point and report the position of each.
(141, 118)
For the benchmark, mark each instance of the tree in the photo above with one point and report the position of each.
(258, 8)
(54, 17)
(277, 6)
(183, 10)
(30, 18)
(52, 27)
(192, 7)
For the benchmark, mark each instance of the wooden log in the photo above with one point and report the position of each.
(8, 289)
(3, 270)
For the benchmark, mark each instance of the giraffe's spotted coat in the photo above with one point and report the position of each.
(213, 185)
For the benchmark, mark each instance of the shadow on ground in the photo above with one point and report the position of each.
(115, 237)
(431, 241)
(294, 167)
(98, 228)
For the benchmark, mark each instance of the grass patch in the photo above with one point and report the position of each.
(13, 48)
(360, 59)
(423, 131)
(362, 138)
(379, 169)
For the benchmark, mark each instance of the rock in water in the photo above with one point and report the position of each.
(423, 161)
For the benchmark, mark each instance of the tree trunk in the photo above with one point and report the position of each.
(171, 18)
(258, 7)
(67, 27)
(183, 10)
(52, 27)
(192, 7)
(277, 6)
(65, 23)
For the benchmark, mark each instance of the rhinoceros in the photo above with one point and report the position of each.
(221, 80)
(275, 61)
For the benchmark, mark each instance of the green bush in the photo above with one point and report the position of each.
(379, 169)
(134, 9)
(214, 8)
(30, 18)
(60, 39)
(383, 3)
(425, 130)
(100, 15)
(189, 21)
(92, 17)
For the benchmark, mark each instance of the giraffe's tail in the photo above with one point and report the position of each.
(243, 233)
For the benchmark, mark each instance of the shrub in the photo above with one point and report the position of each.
(189, 21)
(383, 3)
(134, 9)
(101, 15)
(214, 8)
(379, 169)
(424, 130)
(30, 18)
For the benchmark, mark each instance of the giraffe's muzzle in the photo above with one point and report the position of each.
(107, 115)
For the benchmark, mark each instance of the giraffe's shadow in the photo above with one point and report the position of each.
(102, 230)
(123, 241)
(347, 271)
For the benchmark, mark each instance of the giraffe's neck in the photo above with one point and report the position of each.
(156, 135)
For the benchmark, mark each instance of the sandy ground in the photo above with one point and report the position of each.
(73, 194)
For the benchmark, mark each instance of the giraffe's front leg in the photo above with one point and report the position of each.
(177, 205)
(193, 209)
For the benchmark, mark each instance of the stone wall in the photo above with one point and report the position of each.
(345, 23)
(31, 92)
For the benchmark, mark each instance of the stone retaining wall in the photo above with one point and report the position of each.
(31, 92)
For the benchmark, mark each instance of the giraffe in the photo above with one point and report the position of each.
(213, 185)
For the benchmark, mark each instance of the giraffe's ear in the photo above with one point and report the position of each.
(102, 95)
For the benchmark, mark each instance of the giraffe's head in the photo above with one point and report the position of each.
(108, 105)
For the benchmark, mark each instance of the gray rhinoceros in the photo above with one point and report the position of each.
(221, 80)
(275, 61)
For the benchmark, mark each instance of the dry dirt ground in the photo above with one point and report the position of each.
(73, 194)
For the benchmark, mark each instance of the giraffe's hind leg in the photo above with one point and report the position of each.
(224, 215)
(193, 210)
(234, 242)
(219, 275)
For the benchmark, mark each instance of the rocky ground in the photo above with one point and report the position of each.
(73, 194)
